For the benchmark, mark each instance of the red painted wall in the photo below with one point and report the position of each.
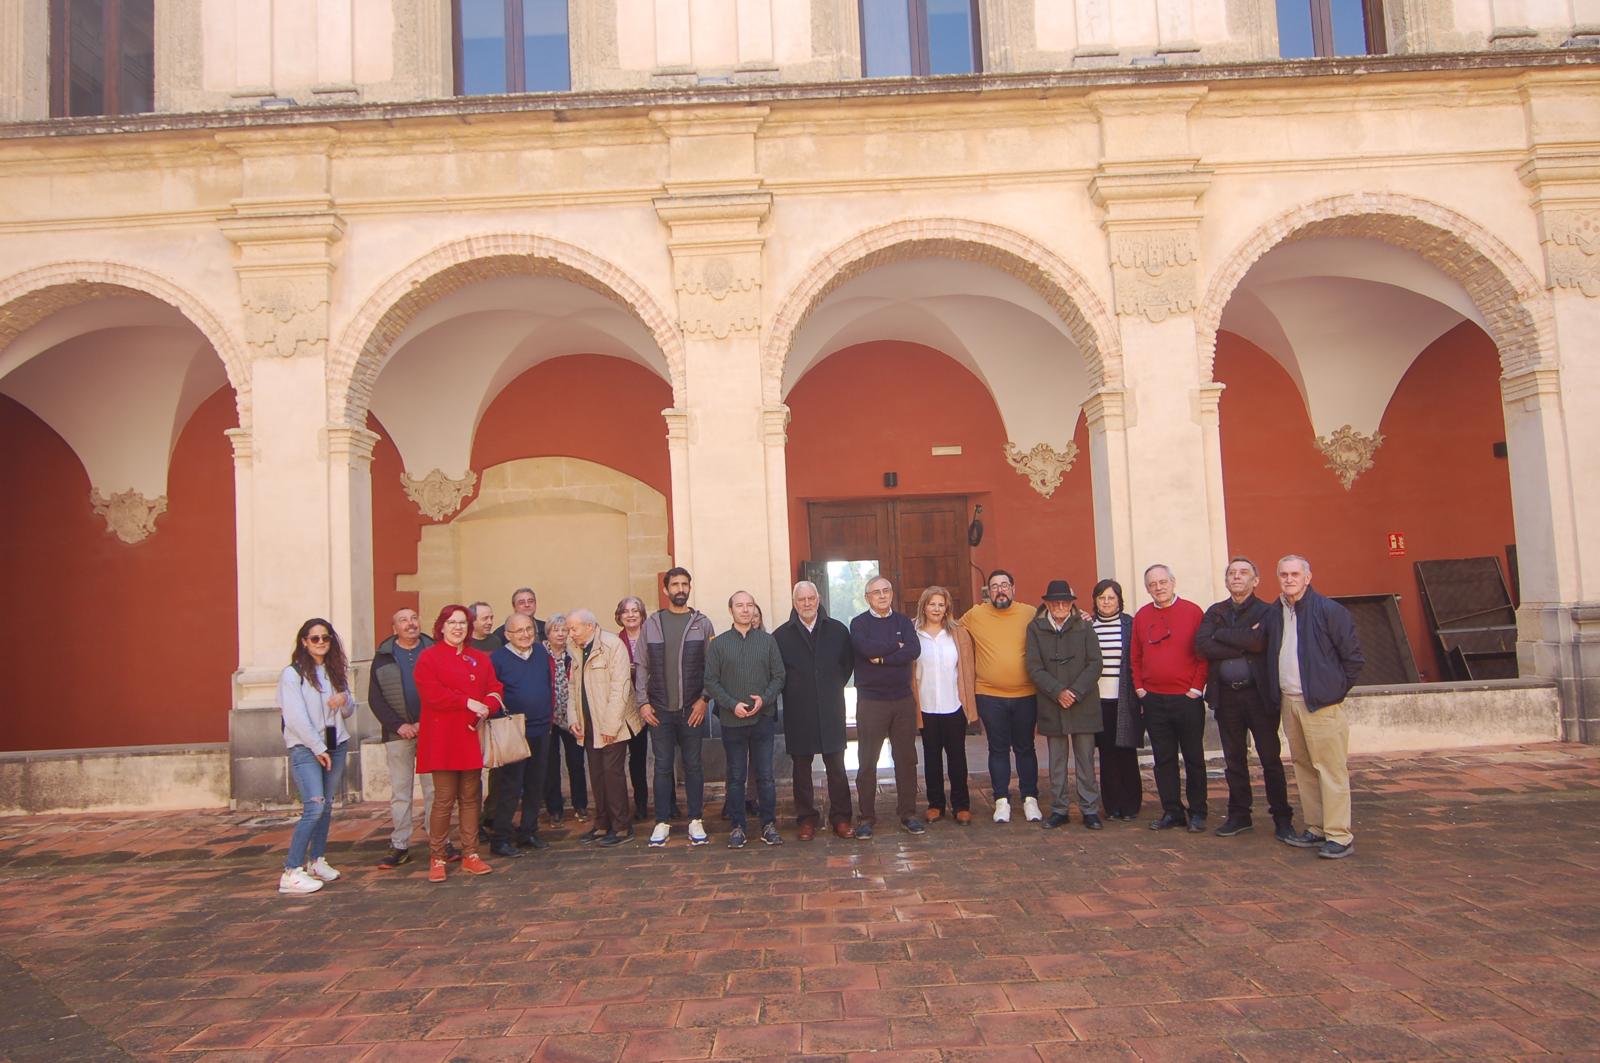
(152, 663)
(1435, 477)
(880, 407)
(590, 406)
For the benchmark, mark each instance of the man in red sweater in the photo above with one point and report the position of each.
(1170, 680)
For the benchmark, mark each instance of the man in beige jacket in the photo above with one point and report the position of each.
(604, 716)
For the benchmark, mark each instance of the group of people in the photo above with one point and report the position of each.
(1092, 682)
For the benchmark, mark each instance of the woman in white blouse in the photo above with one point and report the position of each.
(315, 700)
(946, 695)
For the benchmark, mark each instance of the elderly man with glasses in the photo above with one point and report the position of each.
(885, 643)
(1169, 677)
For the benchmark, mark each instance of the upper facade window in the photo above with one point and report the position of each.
(1309, 28)
(511, 46)
(905, 37)
(102, 57)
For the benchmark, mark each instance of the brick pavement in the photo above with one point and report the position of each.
(1466, 926)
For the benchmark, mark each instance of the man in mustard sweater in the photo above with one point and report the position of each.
(1007, 702)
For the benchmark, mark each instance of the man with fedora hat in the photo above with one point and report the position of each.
(1063, 659)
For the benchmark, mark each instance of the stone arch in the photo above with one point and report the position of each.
(29, 297)
(366, 342)
(1029, 261)
(1506, 292)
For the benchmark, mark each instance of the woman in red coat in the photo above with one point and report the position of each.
(456, 683)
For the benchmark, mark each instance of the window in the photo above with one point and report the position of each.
(511, 46)
(1309, 28)
(905, 37)
(102, 57)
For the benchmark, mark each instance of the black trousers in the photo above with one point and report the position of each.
(945, 735)
(562, 743)
(1242, 716)
(1177, 724)
(639, 773)
(522, 784)
(840, 809)
(1121, 787)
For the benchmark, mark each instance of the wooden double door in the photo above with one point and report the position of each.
(916, 542)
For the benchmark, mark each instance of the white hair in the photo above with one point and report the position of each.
(582, 616)
(1295, 557)
(805, 584)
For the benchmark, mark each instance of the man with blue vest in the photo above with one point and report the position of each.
(529, 674)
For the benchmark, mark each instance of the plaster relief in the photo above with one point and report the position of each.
(1156, 273)
(1349, 453)
(436, 495)
(716, 298)
(129, 515)
(286, 316)
(1044, 466)
(1572, 250)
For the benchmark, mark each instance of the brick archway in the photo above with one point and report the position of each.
(367, 341)
(1029, 261)
(1506, 292)
(29, 297)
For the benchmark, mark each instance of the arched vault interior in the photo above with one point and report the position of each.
(987, 320)
(117, 378)
(459, 353)
(1345, 317)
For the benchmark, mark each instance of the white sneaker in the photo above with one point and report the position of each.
(320, 868)
(295, 880)
(697, 832)
(1002, 811)
(1030, 809)
(659, 835)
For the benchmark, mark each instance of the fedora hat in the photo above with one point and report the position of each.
(1059, 591)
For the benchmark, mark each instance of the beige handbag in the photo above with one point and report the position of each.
(504, 740)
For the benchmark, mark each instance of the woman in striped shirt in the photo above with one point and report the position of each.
(1121, 789)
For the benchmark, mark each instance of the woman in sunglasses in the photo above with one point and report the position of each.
(315, 700)
(458, 688)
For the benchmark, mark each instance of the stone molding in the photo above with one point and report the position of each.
(1505, 290)
(285, 267)
(1349, 452)
(437, 495)
(1066, 291)
(29, 297)
(129, 515)
(365, 343)
(352, 446)
(1108, 409)
(1044, 466)
(775, 425)
(715, 242)
(1155, 273)
(1531, 387)
(1572, 250)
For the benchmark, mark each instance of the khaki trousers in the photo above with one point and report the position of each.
(1319, 745)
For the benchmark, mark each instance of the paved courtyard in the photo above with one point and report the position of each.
(1466, 926)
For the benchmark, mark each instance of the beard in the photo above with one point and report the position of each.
(1001, 603)
(679, 599)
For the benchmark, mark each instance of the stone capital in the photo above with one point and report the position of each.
(677, 427)
(243, 446)
(775, 425)
(1107, 410)
(349, 444)
(1208, 404)
(1531, 388)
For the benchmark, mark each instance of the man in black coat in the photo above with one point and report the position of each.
(1233, 638)
(817, 661)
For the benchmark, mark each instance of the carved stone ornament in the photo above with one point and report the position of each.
(1155, 273)
(1044, 466)
(1572, 250)
(436, 495)
(715, 300)
(129, 515)
(286, 316)
(1349, 453)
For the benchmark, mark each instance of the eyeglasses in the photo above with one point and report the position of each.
(319, 638)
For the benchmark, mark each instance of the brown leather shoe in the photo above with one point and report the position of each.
(933, 814)
(808, 830)
(473, 864)
(963, 817)
(844, 830)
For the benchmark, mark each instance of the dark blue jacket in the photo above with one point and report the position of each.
(530, 686)
(892, 639)
(1330, 654)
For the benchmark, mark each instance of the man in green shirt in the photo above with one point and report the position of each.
(744, 674)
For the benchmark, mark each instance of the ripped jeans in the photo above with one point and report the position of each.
(318, 787)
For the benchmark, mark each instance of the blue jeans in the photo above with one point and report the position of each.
(1009, 723)
(739, 743)
(668, 737)
(318, 786)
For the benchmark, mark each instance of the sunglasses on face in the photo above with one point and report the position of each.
(319, 638)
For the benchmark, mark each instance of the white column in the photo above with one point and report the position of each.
(774, 442)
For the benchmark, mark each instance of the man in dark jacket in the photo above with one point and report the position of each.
(744, 676)
(394, 700)
(528, 673)
(1312, 661)
(1233, 637)
(669, 672)
(885, 642)
(817, 661)
(1063, 659)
